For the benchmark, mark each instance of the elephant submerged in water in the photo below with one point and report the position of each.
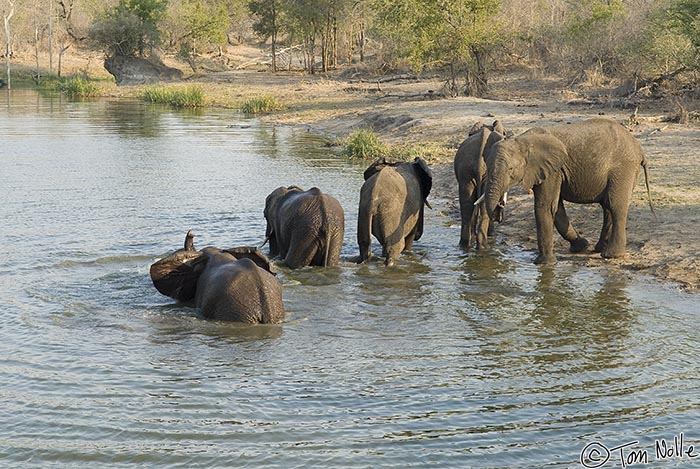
(304, 227)
(226, 284)
(392, 201)
(594, 161)
(470, 172)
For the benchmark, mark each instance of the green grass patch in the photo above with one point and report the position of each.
(260, 105)
(364, 144)
(73, 87)
(182, 97)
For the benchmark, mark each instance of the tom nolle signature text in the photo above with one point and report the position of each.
(597, 454)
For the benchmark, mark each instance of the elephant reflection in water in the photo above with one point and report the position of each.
(234, 284)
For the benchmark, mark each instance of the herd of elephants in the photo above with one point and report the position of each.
(593, 161)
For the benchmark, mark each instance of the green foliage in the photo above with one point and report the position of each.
(185, 97)
(684, 17)
(73, 87)
(450, 34)
(365, 144)
(260, 105)
(206, 21)
(130, 28)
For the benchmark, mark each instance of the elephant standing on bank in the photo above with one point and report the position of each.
(594, 161)
(470, 171)
(304, 227)
(226, 284)
(392, 201)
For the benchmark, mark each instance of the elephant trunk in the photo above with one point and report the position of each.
(495, 197)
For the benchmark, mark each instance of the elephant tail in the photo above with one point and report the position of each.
(645, 167)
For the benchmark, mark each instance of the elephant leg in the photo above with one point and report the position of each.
(408, 241)
(619, 204)
(364, 235)
(605, 230)
(484, 228)
(303, 250)
(393, 248)
(545, 208)
(567, 231)
(467, 197)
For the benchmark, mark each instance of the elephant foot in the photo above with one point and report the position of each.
(465, 245)
(600, 246)
(389, 262)
(612, 253)
(542, 259)
(580, 244)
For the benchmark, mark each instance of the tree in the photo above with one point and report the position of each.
(684, 17)
(455, 35)
(130, 28)
(267, 23)
(7, 16)
(200, 22)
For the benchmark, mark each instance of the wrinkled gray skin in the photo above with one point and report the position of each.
(226, 284)
(392, 202)
(595, 161)
(470, 171)
(304, 227)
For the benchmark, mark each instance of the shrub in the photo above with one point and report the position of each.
(187, 97)
(364, 143)
(260, 105)
(77, 87)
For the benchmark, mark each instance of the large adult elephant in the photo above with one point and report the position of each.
(470, 171)
(392, 201)
(226, 284)
(304, 227)
(594, 161)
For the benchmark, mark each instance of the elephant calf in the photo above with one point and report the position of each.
(304, 227)
(470, 171)
(226, 284)
(392, 202)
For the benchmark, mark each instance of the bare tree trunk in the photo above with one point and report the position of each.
(8, 37)
(64, 48)
(36, 53)
(50, 37)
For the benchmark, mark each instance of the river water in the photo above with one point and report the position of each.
(450, 359)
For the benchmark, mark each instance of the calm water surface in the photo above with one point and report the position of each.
(448, 360)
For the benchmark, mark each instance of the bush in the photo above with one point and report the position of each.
(260, 105)
(364, 143)
(187, 97)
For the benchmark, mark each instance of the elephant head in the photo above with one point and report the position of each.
(229, 284)
(272, 203)
(527, 159)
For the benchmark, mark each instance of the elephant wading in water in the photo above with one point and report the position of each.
(304, 227)
(226, 284)
(392, 201)
(470, 171)
(594, 161)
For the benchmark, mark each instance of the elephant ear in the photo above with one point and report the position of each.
(425, 176)
(176, 275)
(254, 254)
(476, 127)
(545, 155)
(497, 126)
(493, 138)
